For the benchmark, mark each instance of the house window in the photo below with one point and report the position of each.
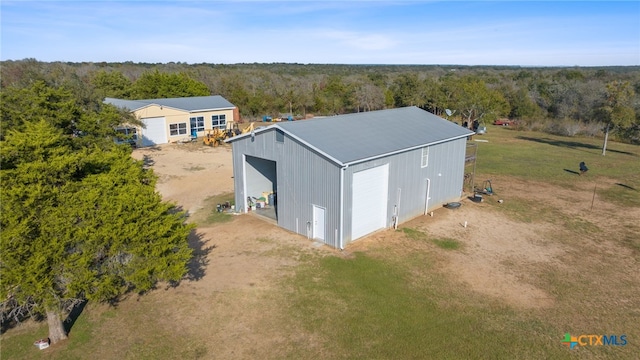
(127, 135)
(128, 132)
(178, 129)
(425, 156)
(219, 121)
(197, 124)
(279, 136)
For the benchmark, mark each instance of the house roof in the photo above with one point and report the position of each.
(358, 137)
(195, 103)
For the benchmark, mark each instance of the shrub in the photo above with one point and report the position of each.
(592, 129)
(533, 125)
(565, 127)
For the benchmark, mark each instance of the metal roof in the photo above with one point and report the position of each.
(195, 103)
(358, 137)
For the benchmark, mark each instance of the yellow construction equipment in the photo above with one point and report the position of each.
(214, 137)
(248, 129)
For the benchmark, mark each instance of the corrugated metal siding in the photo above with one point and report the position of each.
(446, 171)
(303, 179)
(406, 173)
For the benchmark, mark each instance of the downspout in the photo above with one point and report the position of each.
(244, 183)
(341, 219)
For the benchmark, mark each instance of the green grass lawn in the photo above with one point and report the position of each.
(555, 160)
(381, 304)
(210, 214)
(373, 308)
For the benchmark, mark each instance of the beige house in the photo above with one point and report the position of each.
(177, 119)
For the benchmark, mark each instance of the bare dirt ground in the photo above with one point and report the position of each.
(239, 261)
(188, 173)
(247, 256)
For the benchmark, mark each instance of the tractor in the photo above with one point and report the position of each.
(214, 137)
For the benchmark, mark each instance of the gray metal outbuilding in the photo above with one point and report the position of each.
(339, 178)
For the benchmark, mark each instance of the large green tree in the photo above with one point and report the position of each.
(477, 101)
(62, 109)
(408, 90)
(38, 101)
(112, 84)
(617, 111)
(521, 104)
(80, 221)
(156, 85)
(333, 96)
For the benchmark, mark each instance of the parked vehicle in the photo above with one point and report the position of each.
(504, 122)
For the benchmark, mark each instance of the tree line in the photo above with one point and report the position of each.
(566, 100)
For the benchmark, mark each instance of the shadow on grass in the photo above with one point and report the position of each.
(9, 322)
(198, 263)
(73, 316)
(571, 144)
(571, 171)
(68, 322)
(627, 186)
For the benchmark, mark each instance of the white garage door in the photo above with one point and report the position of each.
(369, 206)
(155, 131)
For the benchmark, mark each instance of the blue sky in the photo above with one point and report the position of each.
(538, 33)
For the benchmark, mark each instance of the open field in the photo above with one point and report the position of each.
(551, 258)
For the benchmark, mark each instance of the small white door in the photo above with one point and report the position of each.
(318, 223)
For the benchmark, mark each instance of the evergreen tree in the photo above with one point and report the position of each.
(80, 222)
(36, 102)
(112, 84)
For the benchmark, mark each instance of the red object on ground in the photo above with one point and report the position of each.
(504, 122)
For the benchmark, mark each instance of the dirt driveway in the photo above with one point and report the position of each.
(189, 173)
